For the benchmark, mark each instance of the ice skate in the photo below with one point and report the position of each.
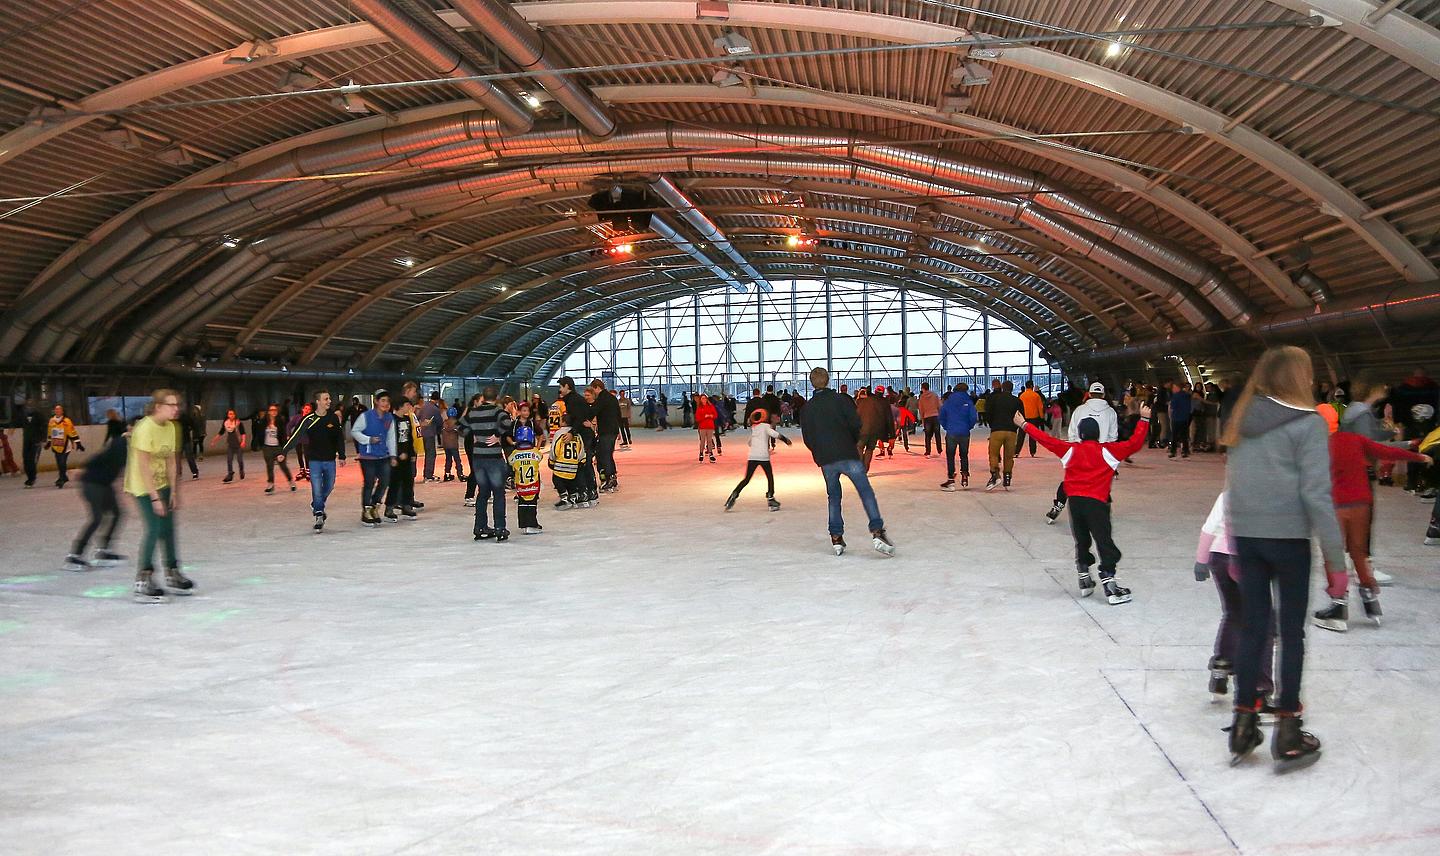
(1053, 514)
(228, 478)
(485, 534)
(270, 489)
(881, 542)
(502, 535)
(391, 515)
(1219, 679)
(730, 501)
(533, 530)
(292, 487)
(417, 505)
(1244, 735)
(1370, 599)
(319, 522)
(1007, 482)
(837, 543)
(1116, 593)
(712, 459)
(1334, 617)
(1432, 536)
(773, 503)
(948, 485)
(1290, 746)
(563, 503)
(105, 558)
(964, 479)
(1087, 582)
(178, 582)
(74, 563)
(469, 502)
(408, 512)
(145, 589)
(993, 483)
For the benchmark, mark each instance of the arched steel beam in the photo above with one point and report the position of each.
(1402, 36)
(1013, 314)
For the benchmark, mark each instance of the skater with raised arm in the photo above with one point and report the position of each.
(762, 434)
(1096, 407)
(1090, 467)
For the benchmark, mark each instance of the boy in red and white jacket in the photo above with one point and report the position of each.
(1090, 467)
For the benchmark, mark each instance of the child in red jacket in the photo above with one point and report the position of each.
(1090, 467)
(1350, 454)
(705, 417)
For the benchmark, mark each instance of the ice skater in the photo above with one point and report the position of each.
(63, 438)
(706, 417)
(958, 417)
(1090, 467)
(97, 487)
(374, 434)
(1096, 406)
(830, 427)
(1215, 558)
(762, 434)
(567, 455)
(152, 476)
(232, 429)
(319, 431)
(525, 465)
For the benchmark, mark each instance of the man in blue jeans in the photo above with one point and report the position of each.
(830, 426)
(324, 437)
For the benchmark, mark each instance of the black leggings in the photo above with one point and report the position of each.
(750, 467)
(1285, 564)
(625, 431)
(102, 502)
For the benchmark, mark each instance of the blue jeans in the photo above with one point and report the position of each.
(855, 471)
(322, 481)
(489, 476)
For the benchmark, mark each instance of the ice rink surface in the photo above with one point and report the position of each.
(657, 676)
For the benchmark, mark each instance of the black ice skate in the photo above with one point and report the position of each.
(75, 563)
(1053, 514)
(1370, 598)
(1432, 535)
(563, 503)
(1334, 617)
(417, 505)
(319, 522)
(948, 485)
(1244, 735)
(1007, 482)
(993, 483)
(881, 542)
(1116, 593)
(964, 479)
(408, 512)
(391, 515)
(502, 535)
(837, 543)
(730, 501)
(106, 558)
(485, 534)
(145, 589)
(1219, 678)
(1087, 582)
(1290, 746)
(773, 503)
(177, 581)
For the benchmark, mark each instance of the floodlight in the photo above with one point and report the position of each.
(248, 52)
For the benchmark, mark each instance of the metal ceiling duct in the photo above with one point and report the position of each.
(503, 26)
(108, 269)
(410, 34)
(660, 226)
(690, 213)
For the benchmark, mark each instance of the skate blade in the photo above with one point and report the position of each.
(1332, 626)
(1049, 521)
(882, 548)
(839, 551)
(1283, 766)
(777, 508)
(1116, 601)
(150, 598)
(1218, 698)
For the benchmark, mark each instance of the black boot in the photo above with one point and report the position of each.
(1219, 677)
(1291, 747)
(1244, 734)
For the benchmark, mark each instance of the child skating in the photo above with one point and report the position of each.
(525, 464)
(762, 433)
(1090, 467)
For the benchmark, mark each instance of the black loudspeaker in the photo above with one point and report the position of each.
(627, 209)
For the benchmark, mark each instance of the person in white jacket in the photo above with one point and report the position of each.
(762, 434)
(1095, 406)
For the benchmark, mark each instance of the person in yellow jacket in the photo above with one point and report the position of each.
(62, 437)
(1032, 407)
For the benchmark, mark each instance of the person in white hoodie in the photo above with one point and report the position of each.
(1095, 406)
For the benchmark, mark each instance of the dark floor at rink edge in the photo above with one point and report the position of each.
(658, 676)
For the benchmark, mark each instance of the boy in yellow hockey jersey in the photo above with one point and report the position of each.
(525, 464)
(567, 453)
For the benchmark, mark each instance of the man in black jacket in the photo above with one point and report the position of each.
(322, 432)
(607, 432)
(32, 439)
(582, 422)
(830, 427)
(1000, 410)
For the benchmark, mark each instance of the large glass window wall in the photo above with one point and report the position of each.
(866, 334)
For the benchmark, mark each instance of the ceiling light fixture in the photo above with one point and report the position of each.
(405, 262)
(733, 44)
(725, 77)
(251, 51)
(972, 74)
(530, 99)
(352, 103)
(229, 242)
(1114, 49)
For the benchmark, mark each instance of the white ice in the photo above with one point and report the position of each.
(658, 676)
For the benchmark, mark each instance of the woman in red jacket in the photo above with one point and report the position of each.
(1350, 454)
(705, 415)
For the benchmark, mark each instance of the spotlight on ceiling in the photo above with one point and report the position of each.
(725, 77)
(1114, 49)
(405, 262)
(296, 80)
(733, 44)
(229, 242)
(251, 51)
(530, 99)
(120, 138)
(972, 74)
(623, 249)
(984, 53)
(352, 103)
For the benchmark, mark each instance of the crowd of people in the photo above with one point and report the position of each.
(1302, 462)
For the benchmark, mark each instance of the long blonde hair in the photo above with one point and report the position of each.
(1284, 373)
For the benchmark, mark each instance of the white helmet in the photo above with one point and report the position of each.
(1422, 412)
